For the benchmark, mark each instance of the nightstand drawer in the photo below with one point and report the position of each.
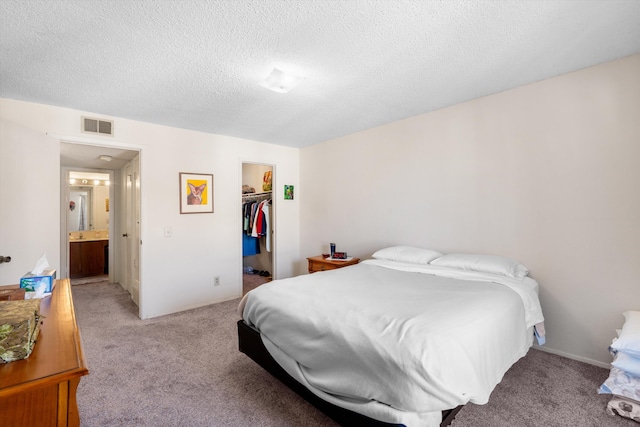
(320, 266)
(318, 263)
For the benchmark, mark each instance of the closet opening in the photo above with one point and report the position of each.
(257, 225)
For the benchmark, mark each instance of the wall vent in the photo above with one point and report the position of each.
(97, 126)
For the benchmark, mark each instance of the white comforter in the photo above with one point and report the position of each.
(396, 342)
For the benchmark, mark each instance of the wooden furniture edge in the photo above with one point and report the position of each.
(318, 263)
(79, 370)
(337, 262)
(82, 361)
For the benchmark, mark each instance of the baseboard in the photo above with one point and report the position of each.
(200, 304)
(574, 357)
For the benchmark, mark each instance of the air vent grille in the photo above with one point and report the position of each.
(97, 126)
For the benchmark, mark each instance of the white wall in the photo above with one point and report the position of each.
(176, 272)
(546, 173)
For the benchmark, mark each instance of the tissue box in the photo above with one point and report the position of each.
(30, 282)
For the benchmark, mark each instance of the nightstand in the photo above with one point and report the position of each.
(318, 263)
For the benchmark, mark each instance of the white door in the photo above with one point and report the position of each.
(29, 200)
(131, 232)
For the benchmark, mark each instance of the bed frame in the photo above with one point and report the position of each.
(250, 343)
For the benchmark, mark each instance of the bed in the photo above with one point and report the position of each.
(405, 338)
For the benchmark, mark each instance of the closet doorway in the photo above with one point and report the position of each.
(257, 225)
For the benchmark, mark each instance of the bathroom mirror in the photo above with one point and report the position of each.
(88, 202)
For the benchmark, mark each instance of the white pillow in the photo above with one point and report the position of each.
(484, 263)
(407, 254)
(629, 340)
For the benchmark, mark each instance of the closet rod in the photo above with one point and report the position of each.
(256, 195)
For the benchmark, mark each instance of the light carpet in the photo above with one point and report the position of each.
(92, 279)
(185, 370)
(252, 281)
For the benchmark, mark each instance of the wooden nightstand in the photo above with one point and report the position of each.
(318, 263)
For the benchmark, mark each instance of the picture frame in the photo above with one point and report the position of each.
(196, 193)
(288, 192)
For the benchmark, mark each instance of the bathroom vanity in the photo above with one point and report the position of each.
(88, 256)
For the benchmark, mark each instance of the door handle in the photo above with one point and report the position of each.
(125, 235)
(5, 259)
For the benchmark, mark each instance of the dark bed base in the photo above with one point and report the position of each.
(251, 344)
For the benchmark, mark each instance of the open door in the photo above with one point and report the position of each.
(29, 200)
(131, 231)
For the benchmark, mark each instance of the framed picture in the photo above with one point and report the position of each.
(266, 181)
(288, 192)
(196, 193)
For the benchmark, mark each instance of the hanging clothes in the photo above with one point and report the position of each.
(250, 245)
(257, 229)
(256, 223)
(246, 210)
(266, 208)
(252, 218)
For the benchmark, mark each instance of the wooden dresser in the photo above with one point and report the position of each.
(41, 390)
(319, 263)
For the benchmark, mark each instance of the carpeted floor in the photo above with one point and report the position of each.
(252, 281)
(185, 370)
(93, 279)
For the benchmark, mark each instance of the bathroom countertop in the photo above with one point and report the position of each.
(92, 239)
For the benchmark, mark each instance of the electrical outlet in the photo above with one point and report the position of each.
(216, 281)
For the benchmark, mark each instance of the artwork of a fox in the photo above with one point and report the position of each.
(195, 194)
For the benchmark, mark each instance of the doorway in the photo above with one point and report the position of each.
(87, 218)
(257, 212)
(87, 158)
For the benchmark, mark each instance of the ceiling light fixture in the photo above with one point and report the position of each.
(105, 158)
(279, 81)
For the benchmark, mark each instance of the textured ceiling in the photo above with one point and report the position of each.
(195, 64)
